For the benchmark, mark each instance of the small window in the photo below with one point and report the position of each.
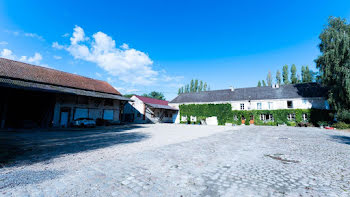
(108, 102)
(183, 118)
(290, 104)
(270, 105)
(242, 106)
(304, 117)
(258, 105)
(291, 117)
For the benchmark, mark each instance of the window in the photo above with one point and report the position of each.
(235, 118)
(266, 117)
(291, 117)
(304, 117)
(290, 104)
(108, 102)
(242, 106)
(108, 114)
(270, 105)
(183, 118)
(258, 106)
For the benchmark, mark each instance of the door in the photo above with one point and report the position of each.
(64, 119)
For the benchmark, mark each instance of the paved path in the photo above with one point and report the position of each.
(251, 161)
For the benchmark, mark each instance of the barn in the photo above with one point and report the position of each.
(34, 96)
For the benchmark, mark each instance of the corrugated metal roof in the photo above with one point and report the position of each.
(161, 106)
(255, 93)
(19, 70)
(19, 84)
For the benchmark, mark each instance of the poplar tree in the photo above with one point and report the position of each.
(285, 74)
(293, 76)
(259, 83)
(263, 83)
(269, 79)
(278, 77)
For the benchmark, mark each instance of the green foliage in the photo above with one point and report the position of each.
(263, 83)
(341, 125)
(259, 83)
(194, 86)
(285, 73)
(334, 62)
(293, 76)
(155, 95)
(269, 79)
(225, 114)
(128, 95)
(278, 77)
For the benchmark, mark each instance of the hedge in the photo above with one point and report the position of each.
(225, 114)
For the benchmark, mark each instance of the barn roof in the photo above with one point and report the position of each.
(18, 70)
(303, 90)
(155, 103)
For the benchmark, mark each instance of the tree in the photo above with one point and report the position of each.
(303, 76)
(259, 83)
(194, 86)
(278, 77)
(128, 95)
(293, 76)
(269, 79)
(155, 95)
(263, 82)
(285, 74)
(200, 86)
(334, 65)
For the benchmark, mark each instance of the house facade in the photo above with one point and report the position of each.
(148, 110)
(34, 96)
(292, 96)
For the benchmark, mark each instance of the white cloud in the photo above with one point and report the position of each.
(57, 57)
(129, 65)
(65, 35)
(98, 74)
(7, 53)
(33, 35)
(3, 43)
(33, 60)
(57, 46)
(126, 90)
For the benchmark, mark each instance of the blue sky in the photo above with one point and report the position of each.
(140, 46)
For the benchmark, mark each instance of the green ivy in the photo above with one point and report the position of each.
(225, 114)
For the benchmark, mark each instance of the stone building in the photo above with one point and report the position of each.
(292, 96)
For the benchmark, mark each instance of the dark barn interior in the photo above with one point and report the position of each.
(21, 108)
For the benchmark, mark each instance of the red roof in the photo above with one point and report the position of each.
(152, 100)
(28, 72)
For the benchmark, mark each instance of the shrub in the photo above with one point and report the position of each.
(292, 124)
(343, 116)
(341, 125)
(247, 122)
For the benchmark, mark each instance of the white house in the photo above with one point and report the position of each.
(292, 96)
(148, 110)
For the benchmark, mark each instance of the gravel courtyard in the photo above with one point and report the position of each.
(177, 160)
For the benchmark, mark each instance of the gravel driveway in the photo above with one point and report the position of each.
(180, 160)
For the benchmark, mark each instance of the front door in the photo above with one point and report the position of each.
(64, 119)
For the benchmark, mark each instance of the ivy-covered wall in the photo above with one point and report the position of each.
(225, 114)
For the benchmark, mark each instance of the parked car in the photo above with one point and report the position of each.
(84, 122)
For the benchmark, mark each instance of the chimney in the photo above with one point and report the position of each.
(275, 85)
(232, 88)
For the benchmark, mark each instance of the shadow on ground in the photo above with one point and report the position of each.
(31, 146)
(341, 139)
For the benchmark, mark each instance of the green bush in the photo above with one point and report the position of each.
(292, 124)
(247, 122)
(341, 125)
